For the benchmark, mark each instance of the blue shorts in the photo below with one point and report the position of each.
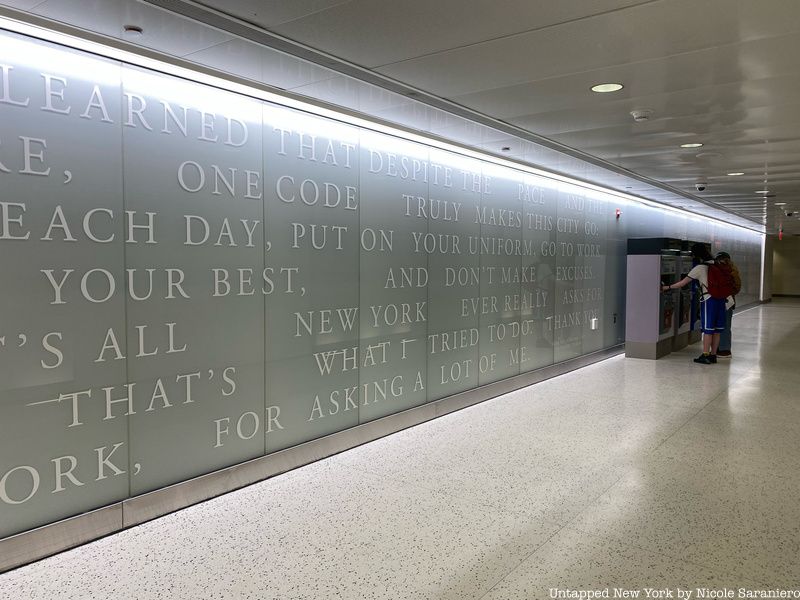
(713, 315)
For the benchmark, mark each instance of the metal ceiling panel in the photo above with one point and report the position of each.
(269, 13)
(380, 32)
(21, 4)
(362, 96)
(651, 83)
(718, 131)
(640, 33)
(733, 99)
(261, 64)
(288, 72)
(235, 56)
(163, 31)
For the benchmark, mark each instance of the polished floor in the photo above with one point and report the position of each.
(626, 474)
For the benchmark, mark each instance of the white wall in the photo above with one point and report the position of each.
(786, 266)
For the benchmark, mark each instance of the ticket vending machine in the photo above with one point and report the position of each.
(651, 317)
(668, 310)
(695, 330)
(684, 325)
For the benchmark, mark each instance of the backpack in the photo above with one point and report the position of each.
(737, 279)
(720, 281)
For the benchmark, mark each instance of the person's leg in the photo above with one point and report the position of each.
(707, 325)
(714, 343)
(719, 319)
(707, 335)
(713, 319)
(725, 337)
(706, 358)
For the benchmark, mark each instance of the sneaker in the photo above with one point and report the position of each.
(713, 358)
(705, 359)
(724, 354)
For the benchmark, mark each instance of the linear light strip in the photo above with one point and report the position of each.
(129, 57)
(762, 293)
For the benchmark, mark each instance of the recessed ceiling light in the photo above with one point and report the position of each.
(736, 173)
(780, 204)
(132, 30)
(762, 191)
(604, 88)
(692, 145)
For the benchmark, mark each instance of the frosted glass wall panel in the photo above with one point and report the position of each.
(192, 278)
(394, 253)
(312, 200)
(503, 259)
(539, 207)
(63, 285)
(579, 271)
(613, 293)
(194, 254)
(454, 217)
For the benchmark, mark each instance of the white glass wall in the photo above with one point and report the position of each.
(192, 278)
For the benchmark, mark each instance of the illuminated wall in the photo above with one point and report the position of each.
(192, 278)
(786, 266)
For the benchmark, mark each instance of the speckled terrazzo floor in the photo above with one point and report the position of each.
(622, 474)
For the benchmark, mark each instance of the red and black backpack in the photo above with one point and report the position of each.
(721, 282)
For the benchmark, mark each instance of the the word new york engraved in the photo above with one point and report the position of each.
(330, 320)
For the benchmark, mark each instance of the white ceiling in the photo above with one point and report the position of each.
(721, 72)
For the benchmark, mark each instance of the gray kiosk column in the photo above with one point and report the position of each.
(650, 316)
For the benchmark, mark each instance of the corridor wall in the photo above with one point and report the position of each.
(785, 280)
(193, 278)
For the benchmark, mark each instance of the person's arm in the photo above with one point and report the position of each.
(675, 286)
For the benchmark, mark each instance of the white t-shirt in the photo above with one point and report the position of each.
(700, 274)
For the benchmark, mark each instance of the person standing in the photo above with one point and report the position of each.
(712, 310)
(723, 259)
